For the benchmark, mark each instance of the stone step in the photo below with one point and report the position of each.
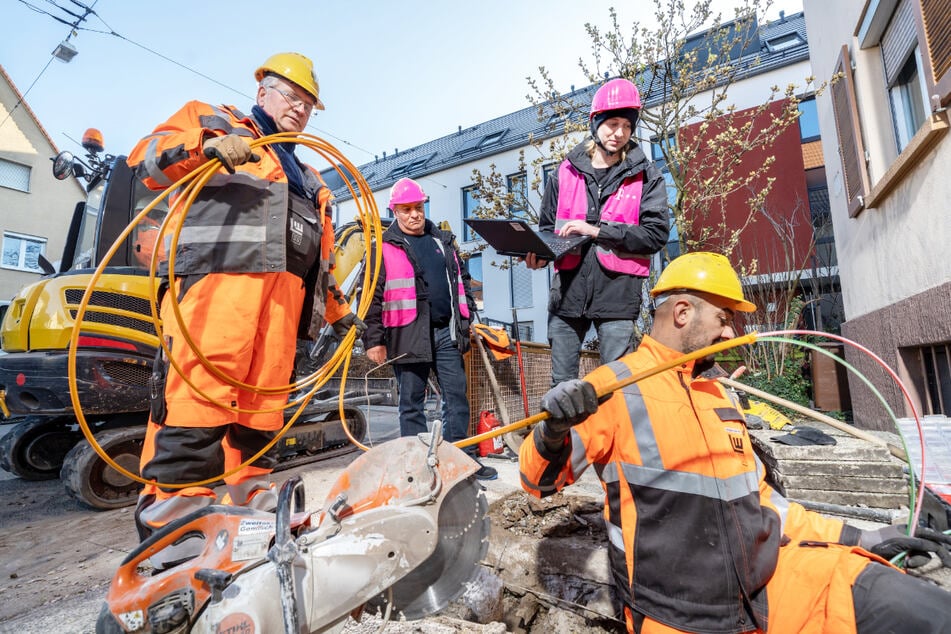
(853, 468)
(846, 449)
(850, 498)
(841, 483)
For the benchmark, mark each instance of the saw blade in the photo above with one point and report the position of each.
(463, 542)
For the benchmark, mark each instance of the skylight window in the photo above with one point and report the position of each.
(784, 42)
(477, 143)
(410, 166)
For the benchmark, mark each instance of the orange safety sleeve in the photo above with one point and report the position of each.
(174, 147)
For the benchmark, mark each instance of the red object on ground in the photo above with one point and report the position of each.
(488, 422)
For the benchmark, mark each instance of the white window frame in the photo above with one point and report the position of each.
(21, 257)
(906, 121)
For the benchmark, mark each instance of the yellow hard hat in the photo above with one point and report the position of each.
(705, 272)
(293, 67)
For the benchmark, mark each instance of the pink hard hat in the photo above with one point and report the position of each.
(406, 191)
(617, 94)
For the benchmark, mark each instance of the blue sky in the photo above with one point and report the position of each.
(392, 74)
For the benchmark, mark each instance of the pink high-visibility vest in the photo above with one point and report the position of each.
(399, 288)
(624, 205)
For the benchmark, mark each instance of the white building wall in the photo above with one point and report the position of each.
(43, 212)
(752, 92)
(899, 248)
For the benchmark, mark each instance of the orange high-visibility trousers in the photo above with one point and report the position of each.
(246, 325)
(810, 592)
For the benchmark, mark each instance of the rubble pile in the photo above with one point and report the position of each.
(549, 565)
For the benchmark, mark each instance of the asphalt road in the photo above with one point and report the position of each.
(57, 556)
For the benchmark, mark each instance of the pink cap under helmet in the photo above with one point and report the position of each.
(406, 191)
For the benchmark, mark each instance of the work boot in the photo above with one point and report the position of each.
(485, 472)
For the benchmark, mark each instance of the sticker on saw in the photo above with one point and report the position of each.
(252, 540)
(133, 621)
(237, 623)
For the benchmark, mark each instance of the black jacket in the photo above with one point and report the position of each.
(415, 338)
(589, 290)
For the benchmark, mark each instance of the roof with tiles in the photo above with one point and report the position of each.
(781, 43)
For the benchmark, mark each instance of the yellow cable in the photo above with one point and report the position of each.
(191, 184)
(370, 221)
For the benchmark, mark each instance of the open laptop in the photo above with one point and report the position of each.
(518, 238)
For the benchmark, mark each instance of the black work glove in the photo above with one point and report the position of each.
(342, 326)
(231, 150)
(891, 541)
(568, 404)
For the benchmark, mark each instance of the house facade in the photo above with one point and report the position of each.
(445, 166)
(35, 208)
(887, 161)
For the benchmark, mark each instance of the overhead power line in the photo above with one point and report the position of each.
(75, 26)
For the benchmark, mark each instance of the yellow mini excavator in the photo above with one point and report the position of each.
(116, 347)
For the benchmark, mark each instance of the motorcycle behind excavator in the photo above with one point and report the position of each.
(116, 347)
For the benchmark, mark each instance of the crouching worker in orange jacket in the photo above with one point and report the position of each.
(252, 273)
(698, 542)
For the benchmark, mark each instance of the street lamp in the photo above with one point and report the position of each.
(65, 51)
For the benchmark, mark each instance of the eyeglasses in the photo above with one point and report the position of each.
(294, 101)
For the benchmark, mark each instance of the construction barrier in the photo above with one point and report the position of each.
(536, 358)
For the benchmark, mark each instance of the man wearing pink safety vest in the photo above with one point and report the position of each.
(420, 316)
(605, 188)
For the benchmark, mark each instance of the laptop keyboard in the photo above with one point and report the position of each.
(559, 245)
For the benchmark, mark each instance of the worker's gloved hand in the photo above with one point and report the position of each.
(231, 150)
(342, 326)
(568, 404)
(891, 541)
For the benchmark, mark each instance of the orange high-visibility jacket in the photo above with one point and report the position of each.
(694, 531)
(238, 223)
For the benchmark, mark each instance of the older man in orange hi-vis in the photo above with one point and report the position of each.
(252, 274)
(697, 540)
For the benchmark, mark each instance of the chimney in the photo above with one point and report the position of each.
(782, 16)
(384, 155)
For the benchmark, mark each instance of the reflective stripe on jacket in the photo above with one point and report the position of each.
(694, 531)
(623, 206)
(239, 222)
(399, 287)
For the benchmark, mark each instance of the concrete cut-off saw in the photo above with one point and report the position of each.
(402, 530)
